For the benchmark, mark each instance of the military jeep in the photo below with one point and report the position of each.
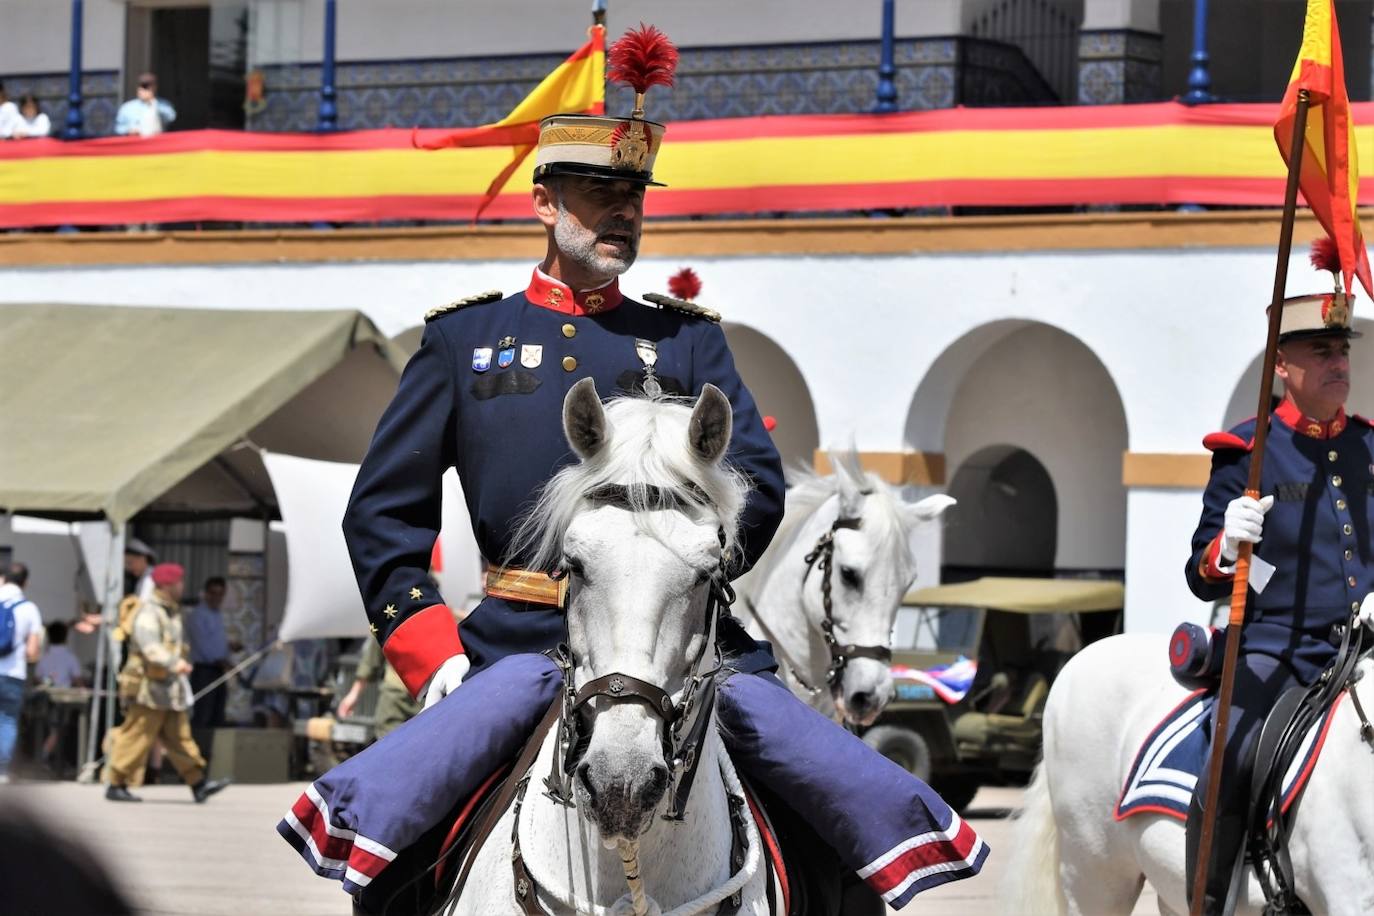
(1008, 637)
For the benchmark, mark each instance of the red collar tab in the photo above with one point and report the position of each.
(548, 293)
(1288, 412)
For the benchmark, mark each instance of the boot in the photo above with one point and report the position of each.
(207, 787)
(120, 794)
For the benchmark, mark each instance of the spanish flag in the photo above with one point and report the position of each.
(576, 86)
(1329, 174)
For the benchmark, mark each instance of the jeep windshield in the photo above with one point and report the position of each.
(930, 628)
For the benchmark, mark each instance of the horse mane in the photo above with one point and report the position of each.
(648, 455)
(808, 491)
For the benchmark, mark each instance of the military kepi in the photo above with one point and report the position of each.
(619, 149)
(1320, 314)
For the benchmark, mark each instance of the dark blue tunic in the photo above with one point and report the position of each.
(494, 412)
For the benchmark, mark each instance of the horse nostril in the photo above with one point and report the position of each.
(655, 786)
(860, 701)
(584, 776)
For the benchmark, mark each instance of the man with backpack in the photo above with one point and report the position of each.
(21, 639)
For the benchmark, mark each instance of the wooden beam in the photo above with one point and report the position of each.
(670, 238)
(1169, 470)
(919, 468)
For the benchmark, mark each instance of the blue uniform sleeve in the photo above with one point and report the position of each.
(1230, 471)
(751, 448)
(393, 516)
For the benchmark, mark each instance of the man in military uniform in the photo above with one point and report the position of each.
(484, 394)
(155, 689)
(395, 705)
(1311, 529)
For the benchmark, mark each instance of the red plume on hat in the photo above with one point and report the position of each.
(685, 284)
(641, 58)
(1326, 256)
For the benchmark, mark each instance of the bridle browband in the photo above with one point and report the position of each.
(685, 723)
(840, 653)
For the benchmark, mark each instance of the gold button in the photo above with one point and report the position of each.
(1349, 554)
(570, 363)
(1331, 455)
(1335, 480)
(1347, 529)
(569, 331)
(1354, 605)
(1340, 504)
(1351, 580)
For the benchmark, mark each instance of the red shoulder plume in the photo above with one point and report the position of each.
(1325, 255)
(685, 284)
(641, 58)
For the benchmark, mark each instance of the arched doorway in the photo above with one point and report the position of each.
(780, 391)
(1008, 516)
(1004, 400)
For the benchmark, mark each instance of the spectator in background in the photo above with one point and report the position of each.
(138, 560)
(210, 650)
(59, 666)
(9, 113)
(145, 115)
(395, 705)
(31, 122)
(14, 664)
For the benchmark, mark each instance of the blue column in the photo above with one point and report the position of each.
(887, 68)
(329, 111)
(74, 128)
(1199, 78)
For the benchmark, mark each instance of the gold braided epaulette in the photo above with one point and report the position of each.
(491, 295)
(682, 305)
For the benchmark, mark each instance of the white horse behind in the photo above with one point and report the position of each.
(783, 597)
(640, 524)
(1072, 856)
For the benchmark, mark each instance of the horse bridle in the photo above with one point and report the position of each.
(685, 723)
(840, 653)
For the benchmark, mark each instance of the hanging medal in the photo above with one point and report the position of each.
(648, 355)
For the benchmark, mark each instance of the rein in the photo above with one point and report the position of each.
(840, 653)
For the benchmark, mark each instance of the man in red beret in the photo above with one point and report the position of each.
(156, 693)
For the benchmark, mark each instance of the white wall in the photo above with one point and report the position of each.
(1174, 329)
(35, 36)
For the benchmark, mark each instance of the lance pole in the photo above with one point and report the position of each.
(1240, 585)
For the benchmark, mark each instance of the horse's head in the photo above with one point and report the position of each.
(641, 526)
(871, 568)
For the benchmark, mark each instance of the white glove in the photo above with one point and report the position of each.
(1366, 613)
(446, 679)
(1244, 522)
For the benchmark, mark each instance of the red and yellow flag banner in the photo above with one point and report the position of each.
(1329, 175)
(1164, 153)
(576, 86)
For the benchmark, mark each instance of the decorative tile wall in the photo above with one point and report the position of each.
(99, 97)
(834, 77)
(1119, 66)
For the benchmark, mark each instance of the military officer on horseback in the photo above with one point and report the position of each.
(1313, 562)
(485, 394)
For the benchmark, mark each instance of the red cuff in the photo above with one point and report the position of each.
(1210, 565)
(422, 643)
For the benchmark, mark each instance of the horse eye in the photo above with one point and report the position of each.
(851, 578)
(574, 566)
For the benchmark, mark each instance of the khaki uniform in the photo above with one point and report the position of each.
(395, 705)
(155, 697)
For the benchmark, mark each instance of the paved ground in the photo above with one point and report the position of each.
(224, 858)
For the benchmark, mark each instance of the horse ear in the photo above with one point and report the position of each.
(849, 482)
(931, 507)
(708, 432)
(584, 420)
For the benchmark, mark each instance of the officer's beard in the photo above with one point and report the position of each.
(578, 244)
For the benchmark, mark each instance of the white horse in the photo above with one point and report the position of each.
(640, 524)
(1072, 856)
(868, 528)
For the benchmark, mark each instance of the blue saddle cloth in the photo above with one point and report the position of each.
(1170, 760)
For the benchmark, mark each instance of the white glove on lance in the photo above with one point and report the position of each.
(1366, 613)
(446, 679)
(1244, 522)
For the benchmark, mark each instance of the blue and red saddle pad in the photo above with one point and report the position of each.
(1166, 768)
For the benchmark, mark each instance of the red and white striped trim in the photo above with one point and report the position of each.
(955, 848)
(336, 848)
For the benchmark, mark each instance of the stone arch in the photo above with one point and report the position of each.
(1026, 385)
(779, 389)
(1008, 511)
